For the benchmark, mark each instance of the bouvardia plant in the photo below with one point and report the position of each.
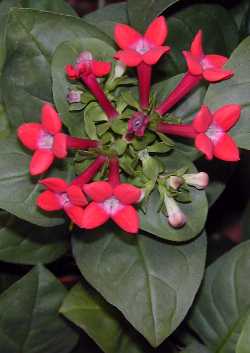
(104, 122)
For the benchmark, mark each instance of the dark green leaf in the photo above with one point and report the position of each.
(195, 348)
(60, 6)
(7, 279)
(243, 343)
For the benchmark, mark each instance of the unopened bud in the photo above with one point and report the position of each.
(198, 180)
(175, 182)
(176, 218)
(120, 68)
(74, 96)
(83, 57)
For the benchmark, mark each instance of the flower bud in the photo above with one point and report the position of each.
(120, 68)
(175, 182)
(198, 180)
(74, 96)
(176, 218)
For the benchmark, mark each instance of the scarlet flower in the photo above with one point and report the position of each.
(62, 196)
(210, 67)
(45, 139)
(137, 48)
(111, 202)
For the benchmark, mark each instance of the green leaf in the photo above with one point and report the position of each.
(23, 243)
(103, 323)
(195, 348)
(137, 274)
(235, 90)
(156, 222)
(243, 343)
(19, 190)
(159, 147)
(32, 37)
(4, 124)
(59, 6)
(29, 316)
(224, 301)
(7, 279)
(67, 53)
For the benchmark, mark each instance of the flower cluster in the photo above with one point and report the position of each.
(131, 132)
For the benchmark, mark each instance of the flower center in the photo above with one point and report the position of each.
(137, 125)
(64, 199)
(45, 141)
(142, 46)
(206, 64)
(215, 132)
(112, 205)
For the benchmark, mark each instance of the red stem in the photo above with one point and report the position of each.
(144, 72)
(114, 172)
(94, 87)
(89, 173)
(79, 143)
(177, 130)
(181, 90)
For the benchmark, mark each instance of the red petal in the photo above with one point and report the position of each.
(194, 65)
(154, 54)
(71, 72)
(50, 119)
(129, 57)
(28, 134)
(54, 184)
(127, 219)
(127, 193)
(99, 191)
(218, 61)
(60, 145)
(215, 75)
(75, 213)
(76, 196)
(41, 161)
(157, 31)
(100, 68)
(125, 36)
(202, 120)
(49, 201)
(94, 216)
(227, 116)
(226, 149)
(205, 145)
(196, 46)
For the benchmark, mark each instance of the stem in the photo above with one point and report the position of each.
(114, 173)
(144, 72)
(89, 173)
(181, 90)
(79, 143)
(177, 130)
(94, 87)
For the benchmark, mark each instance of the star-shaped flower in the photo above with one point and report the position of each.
(62, 196)
(112, 202)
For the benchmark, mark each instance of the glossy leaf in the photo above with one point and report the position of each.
(137, 273)
(29, 319)
(59, 6)
(195, 348)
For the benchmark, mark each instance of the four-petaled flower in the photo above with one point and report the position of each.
(62, 196)
(211, 132)
(210, 67)
(137, 48)
(112, 202)
(45, 139)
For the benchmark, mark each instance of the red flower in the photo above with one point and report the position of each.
(208, 66)
(61, 196)
(211, 132)
(45, 139)
(137, 48)
(111, 202)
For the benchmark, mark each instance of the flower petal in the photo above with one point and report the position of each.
(75, 213)
(28, 134)
(60, 145)
(99, 191)
(218, 61)
(125, 36)
(157, 31)
(215, 75)
(49, 201)
(71, 72)
(54, 184)
(196, 46)
(227, 116)
(226, 149)
(50, 119)
(94, 216)
(76, 196)
(127, 219)
(194, 66)
(205, 145)
(129, 57)
(154, 54)
(127, 193)
(100, 68)
(41, 161)
(202, 120)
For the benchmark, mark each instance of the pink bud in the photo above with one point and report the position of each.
(175, 182)
(74, 96)
(198, 180)
(176, 218)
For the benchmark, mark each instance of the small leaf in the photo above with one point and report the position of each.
(130, 100)
(159, 147)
